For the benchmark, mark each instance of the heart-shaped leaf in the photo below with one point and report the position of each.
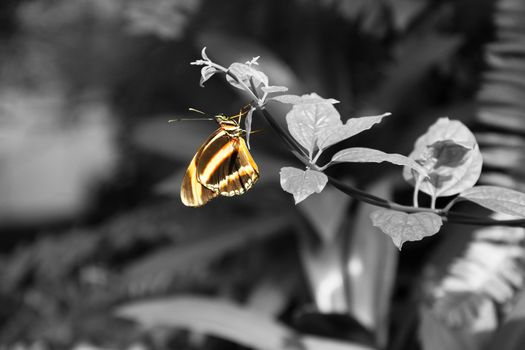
(306, 122)
(450, 153)
(402, 227)
(339, 131)
(245, 72)
(302, 183)
(312, 98)
(369, 155)
(498, 199)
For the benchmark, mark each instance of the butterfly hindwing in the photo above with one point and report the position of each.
(242, 172)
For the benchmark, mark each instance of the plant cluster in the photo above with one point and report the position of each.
(445, 162)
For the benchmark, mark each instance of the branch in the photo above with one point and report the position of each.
(299, 153)
(447, 215)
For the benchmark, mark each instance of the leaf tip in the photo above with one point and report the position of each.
(298, 199)
(203, 53)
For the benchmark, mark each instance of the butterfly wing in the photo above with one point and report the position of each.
(192, 192)
(225, 165)
(245, 173)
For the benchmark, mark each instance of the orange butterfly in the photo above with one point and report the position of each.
(222, 166)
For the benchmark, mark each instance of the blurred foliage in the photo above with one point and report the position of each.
(90, 169)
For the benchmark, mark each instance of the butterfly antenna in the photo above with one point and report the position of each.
(197, 110)
(189, 119)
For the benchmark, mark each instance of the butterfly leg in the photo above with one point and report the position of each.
(244, 110)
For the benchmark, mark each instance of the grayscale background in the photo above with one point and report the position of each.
(98, 252)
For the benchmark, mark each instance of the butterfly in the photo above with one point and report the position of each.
(222, 165)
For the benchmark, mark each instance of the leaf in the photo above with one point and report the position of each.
(204, 55)
(243, 49)
(448, 153)
(487, 270)
(248, 125)
(367, 266)
(369, 155)
(211, 316)
(339, 132)
(228, 321)
(511, 333)
(245, 72)
(302, 183)
(464, 309)
(322, 343)
(436, 150)
(313, 121)
(271, 89)
(312, 98)
(498, 199)
(320, 248)
(253, 61)
(402, 227)
(371, 261)
(206, 73)
(306, 121)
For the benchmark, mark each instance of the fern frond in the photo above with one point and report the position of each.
(492, 265)
(501, 99)
(490, 269)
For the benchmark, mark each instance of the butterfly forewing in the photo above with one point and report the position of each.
(213, 153)
(192, 192)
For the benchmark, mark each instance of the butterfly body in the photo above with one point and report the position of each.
(222, 166)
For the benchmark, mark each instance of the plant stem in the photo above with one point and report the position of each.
(416, 191)
(446, 214)
(317, 155)
(298, 151)
(450, 204)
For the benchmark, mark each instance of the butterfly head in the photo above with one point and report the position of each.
(224, 119)
(230, 124)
